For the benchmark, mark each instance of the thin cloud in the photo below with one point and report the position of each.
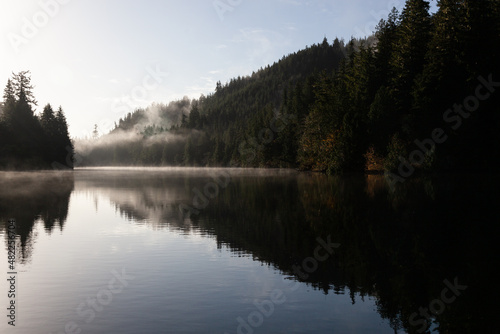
(291, 2)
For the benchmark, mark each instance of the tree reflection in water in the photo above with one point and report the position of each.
(397, 246)
(30, 198)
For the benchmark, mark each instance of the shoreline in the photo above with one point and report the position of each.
(301, 171)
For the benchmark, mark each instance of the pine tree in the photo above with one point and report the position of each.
(442, 80)
(33, 142)
(25, 124)
(9, 105)
(9, 95)
(95, 133)
(49, 126)
(194, 118)
(411, 46)
(482, 36)
(48, 120)
(62, 125)
(386, 34)
(23, 88)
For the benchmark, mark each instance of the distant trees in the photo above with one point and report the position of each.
(28, 141)
(233, 120)
(95, 133)
(349, 106)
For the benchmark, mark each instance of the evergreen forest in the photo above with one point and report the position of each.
(30, 141)
(420, 94)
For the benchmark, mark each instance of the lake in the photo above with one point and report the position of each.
(187, 250)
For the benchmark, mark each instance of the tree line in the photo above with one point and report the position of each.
(209, 131)
(27, 140)
(381, 109)
(368, 104)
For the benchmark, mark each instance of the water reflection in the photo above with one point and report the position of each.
(34, 197)
(396, 245)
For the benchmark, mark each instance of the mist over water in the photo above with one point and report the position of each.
(143, 128)
(254, 233)
(374, 208)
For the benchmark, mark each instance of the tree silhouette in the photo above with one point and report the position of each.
(28, 141)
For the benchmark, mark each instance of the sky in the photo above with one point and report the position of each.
(100, 59)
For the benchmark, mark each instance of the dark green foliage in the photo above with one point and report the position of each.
(28, 141)
(338, 107)
(246, 122)
(410, 46)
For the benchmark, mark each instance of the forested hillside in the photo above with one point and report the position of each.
(212, 130)
(29, 141)
(418, 95)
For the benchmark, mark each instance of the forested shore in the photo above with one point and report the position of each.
(29, 141)
(417, 95)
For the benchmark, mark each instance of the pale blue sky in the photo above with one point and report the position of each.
(98, 58)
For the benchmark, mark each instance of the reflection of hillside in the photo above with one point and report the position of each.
(34, 197)
(152, 197)
(398, 245)
(404, 243)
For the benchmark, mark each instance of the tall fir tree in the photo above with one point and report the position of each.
(64, 143)
(386, 34)
(410, 48)
(442, 80)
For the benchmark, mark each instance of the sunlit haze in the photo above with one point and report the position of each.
(102, 59)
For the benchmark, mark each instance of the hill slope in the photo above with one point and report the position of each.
(423, 97)
(211, 129)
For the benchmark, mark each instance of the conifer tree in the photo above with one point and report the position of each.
(29, 141)
(386, 34)
(9, 95)
(410, 46)
(23, 88)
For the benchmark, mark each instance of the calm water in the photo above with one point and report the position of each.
(248, 251)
